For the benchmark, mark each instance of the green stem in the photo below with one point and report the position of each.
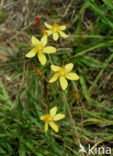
(105, 64)
(50, 59)
(92, 48)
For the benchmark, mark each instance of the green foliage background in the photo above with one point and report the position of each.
(91, 50)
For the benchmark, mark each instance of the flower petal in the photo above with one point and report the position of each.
(55, 68)
(53, 126)
(53, 111)
(31, 53)
(63, 27)
(63, 82)
(48, 25)
(69, 66)
(54, 78)
(49, 49)
(34, 41)
(63, 34)
(58, 117)
(46, 126)
(55, 36)
(72, 76)
(49, 32)
(43, 117)
(42, 58)
(44, 40)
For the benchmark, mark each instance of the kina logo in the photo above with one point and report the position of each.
(96, 150)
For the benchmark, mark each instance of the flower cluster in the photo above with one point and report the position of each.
(50, 118)
(40, 48)
(55, 30)
(63, 72)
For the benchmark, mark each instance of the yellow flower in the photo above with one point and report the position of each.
(40, 49)
(56, 29)
(50, 118)
(63, 72)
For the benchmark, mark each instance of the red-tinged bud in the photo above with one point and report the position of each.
(37, 19)
(37, 70)
(43, 31)
(76, 96)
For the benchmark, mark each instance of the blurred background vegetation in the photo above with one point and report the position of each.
(25, 95)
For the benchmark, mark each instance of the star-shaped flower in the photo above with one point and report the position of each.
(56, 29)
(40, 48)
(50, 118)
(63, 73)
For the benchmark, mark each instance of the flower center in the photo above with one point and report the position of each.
(55, 28)
(40, 47)
(48, 118)
(62, 72)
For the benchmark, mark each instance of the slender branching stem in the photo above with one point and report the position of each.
(73, 122)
